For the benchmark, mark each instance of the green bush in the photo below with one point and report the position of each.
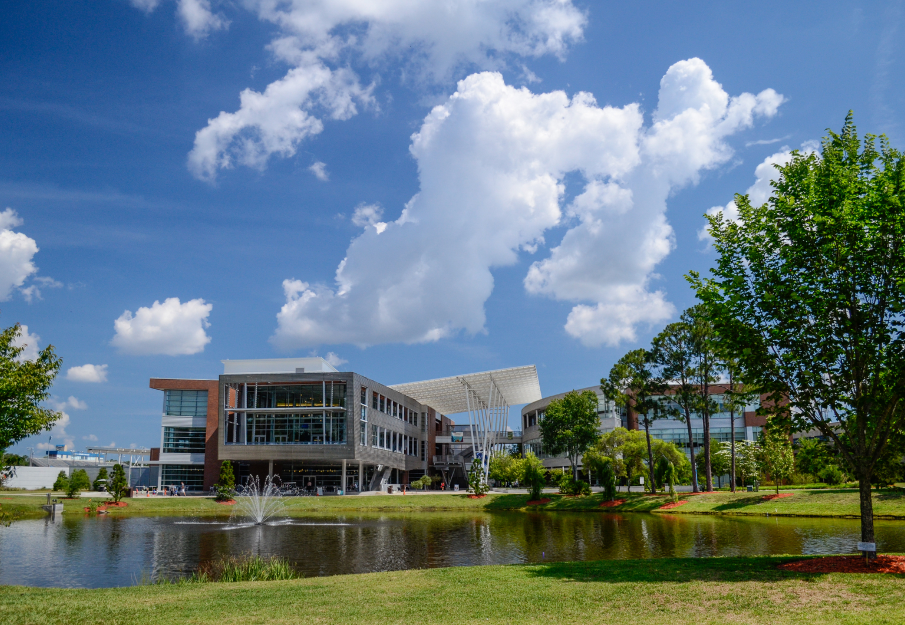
(62, 482)
(535, 476)
(77, 483)
(570, 486)
(832, 475)
(226, 484)
(608, 480)
(476, 478)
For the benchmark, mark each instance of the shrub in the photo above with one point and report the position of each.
(608, 480)
(832, 475)
(62, 482)
(476, 478)
(570, 486)
(226, 485)
(535, 476)
(245, 568)
(100, 480)
(77, 483)
(118, 485)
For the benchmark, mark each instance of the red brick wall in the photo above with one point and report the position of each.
(211, 459)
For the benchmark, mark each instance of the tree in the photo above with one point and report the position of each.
(626, 450)
(505, 467)
(534, 476)
(62, 482)
(100, 480)
(78, 482)
(812, 456)
(24, 384)
(226, 483)
(775, 456)
(736, 397)
(118, 485)
(666, 474)
(570, 425)
(705, 370)
(476, 479)
(669, 451)
(808, 289)
(672, 351)
(633, 385)
(720, 460)
(746, 466)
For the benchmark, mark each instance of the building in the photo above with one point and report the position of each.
(748, 424)
(312, 426)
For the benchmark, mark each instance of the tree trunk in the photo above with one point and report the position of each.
(705, 413)
(694, 467)
(867, 514)
(732, 434)
(650, 459)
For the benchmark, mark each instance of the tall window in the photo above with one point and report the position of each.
(374, 441)
(185, 403)
(364, 396)
(190, 475)
(374, 401)
(363, 420)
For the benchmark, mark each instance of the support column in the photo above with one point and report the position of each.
(361, 475)
(343, 487)
(270, 469)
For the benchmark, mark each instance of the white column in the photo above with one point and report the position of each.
(361, 475)
(343, 487)
(270, 469)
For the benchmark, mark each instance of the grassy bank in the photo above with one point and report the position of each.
(699, 591)
(888, 504)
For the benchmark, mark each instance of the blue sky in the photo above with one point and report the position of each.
(207, 166)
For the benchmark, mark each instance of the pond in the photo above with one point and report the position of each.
(105, 551)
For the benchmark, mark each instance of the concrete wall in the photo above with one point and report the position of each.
(32, 478)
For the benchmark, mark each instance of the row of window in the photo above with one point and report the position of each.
(185, 403)
(390, 407)
(295, 395)
(183, 440)
(323, 428)
(382, 438)
(176, 474)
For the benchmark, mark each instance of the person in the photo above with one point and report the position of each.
(442, 485)
(309, 486)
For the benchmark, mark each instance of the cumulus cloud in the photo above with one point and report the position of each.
(90, 437)
(320, 40)
(72, 403)
(170, 328)
(319, 170)
(492, 162)
(58, 431)
(33, 292)
(335, 360)
(29, 342)
(196, 16)
(87, 373)
(759, 192)
(16, 253)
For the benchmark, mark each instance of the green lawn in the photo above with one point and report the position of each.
(888, 504)
(667, 591)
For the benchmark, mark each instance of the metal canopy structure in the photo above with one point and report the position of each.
(485, 396)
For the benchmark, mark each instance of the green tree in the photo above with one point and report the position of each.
(736, 398)
(775, 456)
(705, 371)
(118, 484)
(570, 425)
(679, 461)
(673, 353)
(226, 483)
(666, 475)
(812, 456)
(746, 464)
(633, 385)
(476, 479)
(626, 449)
(24, 384)
(78, 482)
(62, 483)
(97, 483)
(720, 460)
(534, 476)
(808, 288)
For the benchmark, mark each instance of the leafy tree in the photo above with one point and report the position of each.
(626, 449)
(14, 460)
(534, 476)
(78, 482)
(669, 451)
(571, 425)
(118, 485)
(476, 479)
(888, 470)
(736, 397)
(672, 352)
(608, 480)
(812, 456)
(506, 467)
(62, 482)
(746, 463)
(666, 474)
(226, 483)
(775, 456)
(101, 475)
(808, 289)
(24, 384)
(633, 385)
(720, 459)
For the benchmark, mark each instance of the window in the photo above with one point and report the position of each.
(423, 446)
(383, 405)
(190, 475)
(320, 428)
(185, 403)
(374, 442)
(183, 440)
(364, 396)
(363, 425)
(382, 438)
(374, 401)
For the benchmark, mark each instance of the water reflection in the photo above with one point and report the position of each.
(105, 551)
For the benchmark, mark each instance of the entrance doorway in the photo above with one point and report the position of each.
(309, 483)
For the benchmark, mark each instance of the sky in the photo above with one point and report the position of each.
(409, 189)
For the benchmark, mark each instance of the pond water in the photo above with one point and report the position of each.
(104, 551)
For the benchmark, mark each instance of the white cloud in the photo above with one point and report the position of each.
(16, 253)
(71, 402)
(170, 328)
(335, 360)
(87, 373)
(90, 437)
(319, 170)
(198, 19)
(145, 5)
(492, 162)
(33, 291)
(58, 433)
(29, 342)
(759, 192)
(320, 39)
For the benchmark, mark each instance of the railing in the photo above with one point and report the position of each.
(449, 459)
(501, 436)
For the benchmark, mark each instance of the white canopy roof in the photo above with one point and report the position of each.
(518, 385)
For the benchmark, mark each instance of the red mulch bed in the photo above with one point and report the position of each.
(538, 502)
(476, 496)
(228, 502)
(779, 496)
(848, 564)
(612, 504)
(116, 504)
(669, 506)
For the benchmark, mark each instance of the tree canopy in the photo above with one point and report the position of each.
(808, 291)
(570, 425)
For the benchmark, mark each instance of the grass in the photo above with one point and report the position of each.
(247, 568)
(888, 504)
(694, 591)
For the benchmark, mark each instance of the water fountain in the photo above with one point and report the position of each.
(258, 502)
